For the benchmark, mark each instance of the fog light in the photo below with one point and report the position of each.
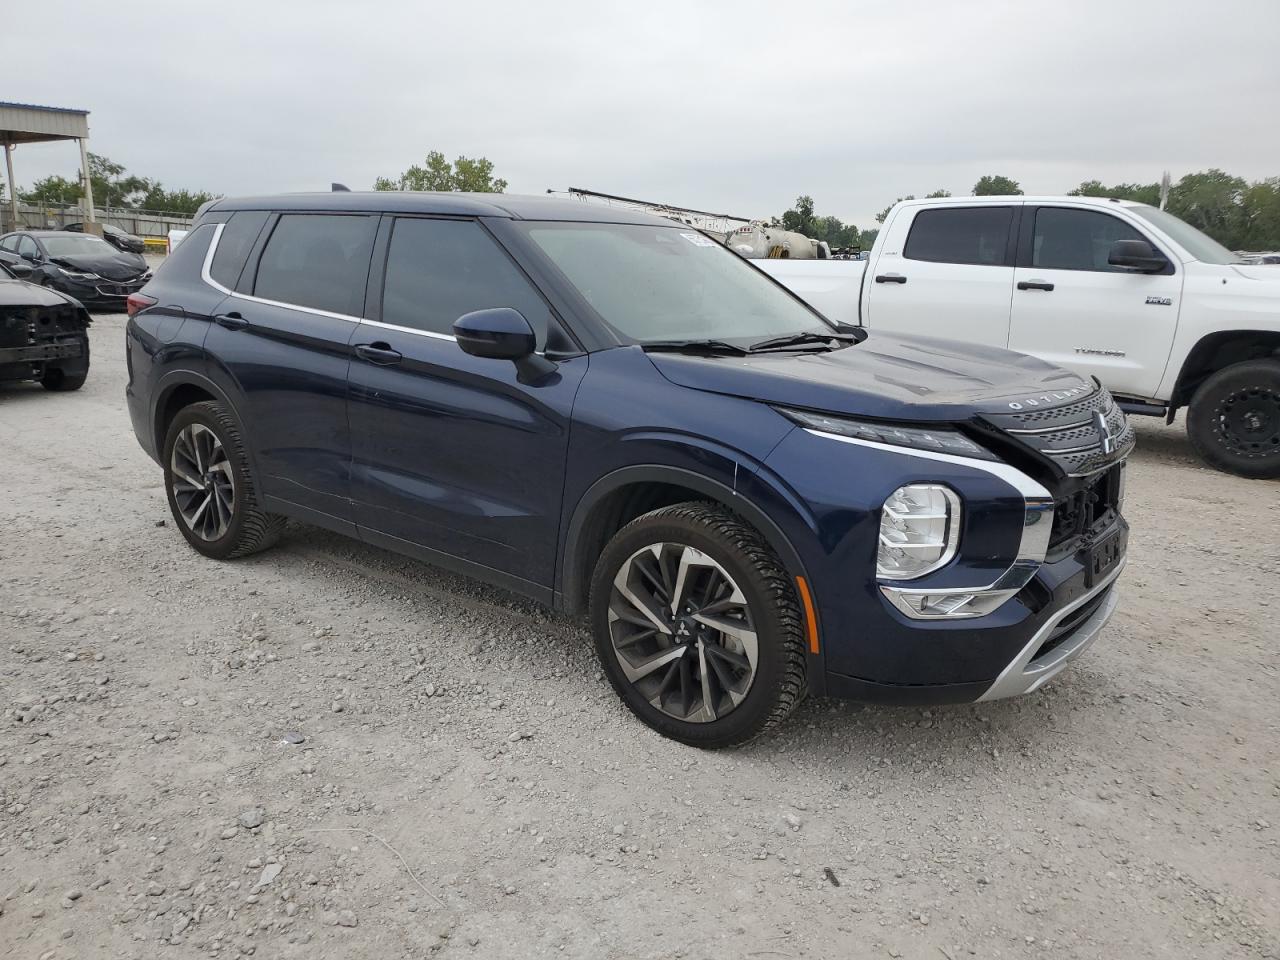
(919, 531)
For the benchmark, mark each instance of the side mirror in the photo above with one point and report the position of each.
(501, 333)
(1136, 255)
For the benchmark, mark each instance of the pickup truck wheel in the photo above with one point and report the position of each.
(697, 626)
(1234, 419)
(210, 486)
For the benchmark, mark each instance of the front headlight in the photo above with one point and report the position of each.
(943, 440)
(919, 531)
(78, 275)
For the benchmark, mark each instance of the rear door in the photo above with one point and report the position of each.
(452, 454)
(280, 341)
(945, 271)
(1072, 308)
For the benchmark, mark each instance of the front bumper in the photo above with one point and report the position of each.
(101, 294)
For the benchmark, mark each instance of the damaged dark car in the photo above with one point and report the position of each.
(44, 335)
(81, 266)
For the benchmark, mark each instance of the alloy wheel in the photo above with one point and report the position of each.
(203, 484)
(683, 632)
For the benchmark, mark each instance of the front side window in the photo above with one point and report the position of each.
(437, 270)
(653, 283)
(319, 261)
(1067, 239)
(976, 236)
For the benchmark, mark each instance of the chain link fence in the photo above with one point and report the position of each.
(153, 224)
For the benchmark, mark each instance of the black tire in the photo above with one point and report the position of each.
(778, 683)
(60, 379)
(1233, 420)
(250, 528)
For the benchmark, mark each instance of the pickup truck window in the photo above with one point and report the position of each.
(654, 283)
(1202, 247)
(437, 270)
(971, 235)
(1072, 239)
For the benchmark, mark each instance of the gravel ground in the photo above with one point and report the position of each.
(469, 786)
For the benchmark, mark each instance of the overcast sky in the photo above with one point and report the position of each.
(735, 107)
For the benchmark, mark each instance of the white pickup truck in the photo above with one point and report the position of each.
(1163, 315)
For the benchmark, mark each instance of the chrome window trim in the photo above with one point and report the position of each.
(207, 276)
(1032, 547)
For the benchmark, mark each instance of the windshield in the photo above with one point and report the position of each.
(653, 284)
(76, 246)
(1203, 248)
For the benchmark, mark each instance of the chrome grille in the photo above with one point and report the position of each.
(1070, 436)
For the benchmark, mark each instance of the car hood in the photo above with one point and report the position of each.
(121, 266)
(1260, 271)
(884, 377)
(19, 293)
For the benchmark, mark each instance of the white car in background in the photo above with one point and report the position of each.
(1160, 313)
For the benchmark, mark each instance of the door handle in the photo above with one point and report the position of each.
(379, 353)
(890, 278)
(232, 321)
(1034, 285)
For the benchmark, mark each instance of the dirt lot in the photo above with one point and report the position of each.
(468, 785)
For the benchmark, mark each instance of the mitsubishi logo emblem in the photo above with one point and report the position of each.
(1105, 436)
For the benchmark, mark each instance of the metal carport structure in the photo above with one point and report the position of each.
(28, 123)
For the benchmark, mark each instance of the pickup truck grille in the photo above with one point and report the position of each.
(1081, 438)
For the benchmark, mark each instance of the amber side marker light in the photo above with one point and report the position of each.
(810, 619)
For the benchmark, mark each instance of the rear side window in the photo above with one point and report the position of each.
(437, 270)
(10, 244)
(319, 261)
(237, 240)
(973, 235)
(187, 258)
(1078, 239)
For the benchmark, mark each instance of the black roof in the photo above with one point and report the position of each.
(506, 205)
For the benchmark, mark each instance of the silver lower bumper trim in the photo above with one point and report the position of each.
(1026, 674)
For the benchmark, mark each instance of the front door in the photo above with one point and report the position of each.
(451, 453)
(1072, 308)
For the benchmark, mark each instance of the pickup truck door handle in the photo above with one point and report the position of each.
(890, 278)
(1034, 285)
(379, 352)
(232, 321)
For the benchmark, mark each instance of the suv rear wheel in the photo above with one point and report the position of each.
(210, 486)
(1233, 420)
(697, 626)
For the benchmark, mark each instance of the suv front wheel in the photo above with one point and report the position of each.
(210, 485)
(697, 625)
(1233, 420)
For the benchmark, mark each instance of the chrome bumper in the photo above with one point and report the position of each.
(1028, 672)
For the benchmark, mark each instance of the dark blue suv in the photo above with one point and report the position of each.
(614, 414)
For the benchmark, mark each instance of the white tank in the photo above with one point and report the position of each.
(759, 242)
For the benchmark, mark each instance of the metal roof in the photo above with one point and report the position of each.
(506, 205)
(30, 123)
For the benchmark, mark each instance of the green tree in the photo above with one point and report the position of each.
(1141, 192)
(465, 174)
(937, 194)
(52, 189)
(996, 186)
(1261, 210)
(1212, 201)
(184, 202)
(800, 217)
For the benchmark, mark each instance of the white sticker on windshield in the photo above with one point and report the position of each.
(698, 240)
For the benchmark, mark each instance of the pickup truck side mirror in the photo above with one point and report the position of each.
(501, 333)
(1136, 255)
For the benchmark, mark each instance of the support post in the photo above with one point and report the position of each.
(88, 187)
(13, 187)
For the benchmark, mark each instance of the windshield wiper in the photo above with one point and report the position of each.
(801, 339)
(709, 346)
